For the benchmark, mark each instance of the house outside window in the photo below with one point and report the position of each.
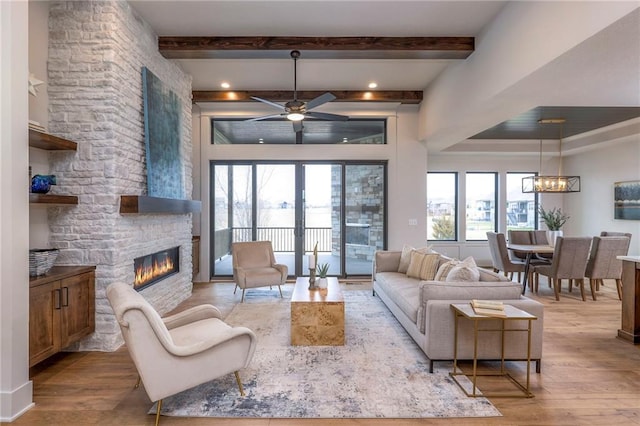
(521, 207)
(481, 201)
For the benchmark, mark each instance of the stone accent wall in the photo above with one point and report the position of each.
(96, 53)
(363, 206)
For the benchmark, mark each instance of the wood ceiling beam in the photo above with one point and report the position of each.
(262, 47)
(401, 96)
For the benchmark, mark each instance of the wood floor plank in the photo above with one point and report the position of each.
(589, 376)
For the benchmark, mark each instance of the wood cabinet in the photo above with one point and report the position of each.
(49, 142)
(61, 309)
(195, 255)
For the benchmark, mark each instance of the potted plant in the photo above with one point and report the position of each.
(554, 219)
(323, 268)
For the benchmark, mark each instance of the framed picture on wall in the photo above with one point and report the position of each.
(627, 200)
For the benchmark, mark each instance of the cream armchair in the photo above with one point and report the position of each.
(254, 265)
(180, 351)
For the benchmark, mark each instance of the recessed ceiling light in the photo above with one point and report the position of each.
(260, 140)
(373, 85)
(225, 85)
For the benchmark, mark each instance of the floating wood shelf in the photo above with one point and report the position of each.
(52, 199)
(141, 204)
(49, 142)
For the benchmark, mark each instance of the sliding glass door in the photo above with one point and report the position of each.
(338, 206)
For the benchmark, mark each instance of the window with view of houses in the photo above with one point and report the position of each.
(481, 201)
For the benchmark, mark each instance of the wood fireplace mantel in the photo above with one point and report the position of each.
(143, 204)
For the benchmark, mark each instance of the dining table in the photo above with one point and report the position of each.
(530, 250)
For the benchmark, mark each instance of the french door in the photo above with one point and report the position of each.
(338, 206)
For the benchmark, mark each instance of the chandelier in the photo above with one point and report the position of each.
(554, 184)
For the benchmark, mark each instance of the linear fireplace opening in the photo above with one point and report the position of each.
(154, 267)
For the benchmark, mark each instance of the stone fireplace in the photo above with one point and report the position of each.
(96, 54)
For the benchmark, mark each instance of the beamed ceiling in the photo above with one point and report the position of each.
(332, 48)
(402, 45)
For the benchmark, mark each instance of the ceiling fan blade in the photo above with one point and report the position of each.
(264, 117)
(327, 116)
(297, 126)
(268, 102)
(322, 99)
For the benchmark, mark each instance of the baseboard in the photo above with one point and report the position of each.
(14, 404)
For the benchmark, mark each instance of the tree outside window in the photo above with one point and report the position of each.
(442, 193)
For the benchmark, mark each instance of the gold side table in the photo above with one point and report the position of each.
(464, 310)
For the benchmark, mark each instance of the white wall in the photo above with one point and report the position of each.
(592, 209)
(15, 387)
(38, 111)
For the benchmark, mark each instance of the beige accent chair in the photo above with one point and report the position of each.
(570, 257)
(181, 351)
(254, 265)
(500, 256)
(603, 263)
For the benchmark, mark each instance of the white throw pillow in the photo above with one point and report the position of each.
(464, 271)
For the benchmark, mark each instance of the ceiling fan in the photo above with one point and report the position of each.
(296, 110)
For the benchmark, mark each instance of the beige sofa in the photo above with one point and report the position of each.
(424, 310)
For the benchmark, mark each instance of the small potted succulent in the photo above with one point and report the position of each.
(322, 268)
(554, 219)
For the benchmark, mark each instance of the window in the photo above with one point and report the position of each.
(442, 196)
(362, 131)
(481, 190)
(522, 211)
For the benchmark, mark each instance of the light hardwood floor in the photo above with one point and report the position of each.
(589, 377)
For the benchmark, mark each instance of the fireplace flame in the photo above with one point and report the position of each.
(147, 273)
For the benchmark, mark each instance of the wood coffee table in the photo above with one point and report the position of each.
(317, 316)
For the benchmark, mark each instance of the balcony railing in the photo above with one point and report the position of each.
(282, 238)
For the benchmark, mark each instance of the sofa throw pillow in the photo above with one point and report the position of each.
(464, 271)
(423, 266)
(445, 268)
(405, 256)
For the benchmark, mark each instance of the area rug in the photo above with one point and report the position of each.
(379, 373)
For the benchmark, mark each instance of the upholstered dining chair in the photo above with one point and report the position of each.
(539, 237)
(615, 234)
(254, 265)
(500, 256)
(603, 263)
(570, 257)
(181, 351)
(518, 237)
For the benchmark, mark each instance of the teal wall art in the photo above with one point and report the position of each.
(162, 130)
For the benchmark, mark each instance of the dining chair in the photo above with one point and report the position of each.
(603, 263)
(615, 234)
(539, 237)
(254, 265)
(518, 237)
(570, 258)
(500, 256)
